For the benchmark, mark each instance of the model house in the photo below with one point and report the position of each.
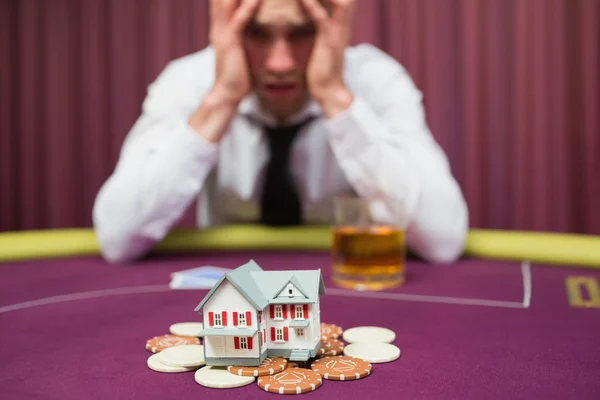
(251, 314)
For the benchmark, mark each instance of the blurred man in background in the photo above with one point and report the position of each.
(270, 122)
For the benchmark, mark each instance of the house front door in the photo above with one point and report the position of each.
(300, 334)
(219, 346)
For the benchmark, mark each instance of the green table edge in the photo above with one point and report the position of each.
(571, 250)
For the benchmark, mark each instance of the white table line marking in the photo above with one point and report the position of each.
(527, 287)
(85, 295)
(526, 277)
(525, 271)
(425, 298)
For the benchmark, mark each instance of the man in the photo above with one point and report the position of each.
(353, 122)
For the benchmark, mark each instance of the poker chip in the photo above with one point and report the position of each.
(291, 381)
(187, 329)
(342, 368)
(220, 378)
(187, 355)
(269, 366)
(330, 331)
(159, 343)
(373, 352)
(155, 365)
(369, 334)
(330, 347)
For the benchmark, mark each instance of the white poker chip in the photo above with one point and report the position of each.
(369, 334)
(187, 355)
(155, 365)
(220, 378)
(189, 329)
(373, 352)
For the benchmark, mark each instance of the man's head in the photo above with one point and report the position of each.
(278, 43)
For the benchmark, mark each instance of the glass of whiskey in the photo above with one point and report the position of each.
(368, 244)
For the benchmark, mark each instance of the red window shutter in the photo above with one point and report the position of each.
(211, 318)
(285, 333)
(248, 318)
(236, 343)
(284, 310)
(235, 318)
(249, 343)
(272, 311)
(272, 334)
(264, 336)
(305, 311)
(260, 339)
(224, 317)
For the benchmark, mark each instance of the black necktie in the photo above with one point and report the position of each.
(280, 203)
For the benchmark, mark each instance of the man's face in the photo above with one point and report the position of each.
(278, 44)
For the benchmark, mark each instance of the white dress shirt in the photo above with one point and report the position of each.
(380, 148)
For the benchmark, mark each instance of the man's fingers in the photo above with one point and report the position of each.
(221, 10)
(317, 12)
(216, 12)
(343, 11)
(243, 14)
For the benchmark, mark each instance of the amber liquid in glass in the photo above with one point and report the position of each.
(368, 258)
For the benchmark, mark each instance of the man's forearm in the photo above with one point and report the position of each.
(214, 115)
(384, 165)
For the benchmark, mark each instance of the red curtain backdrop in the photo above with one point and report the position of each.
(511, 89)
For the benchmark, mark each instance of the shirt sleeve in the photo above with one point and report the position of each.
(389, 156)
(161, 169)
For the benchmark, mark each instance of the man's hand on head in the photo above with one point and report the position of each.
(229, 19)
(333, 21)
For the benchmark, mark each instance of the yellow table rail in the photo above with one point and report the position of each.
(567, 250)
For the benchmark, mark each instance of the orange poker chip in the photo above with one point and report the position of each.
(291, 364)
(330, 331)
(330, 347)
(269, 366)
(342, 368)
(291, 381)
(159, 343)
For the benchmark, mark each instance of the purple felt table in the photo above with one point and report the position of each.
(76, 329)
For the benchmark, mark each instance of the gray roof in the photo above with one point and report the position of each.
(271, 283)
(228, 332)
(301, 323)
(241, 279)
(261, 287)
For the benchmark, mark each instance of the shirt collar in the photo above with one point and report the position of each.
(251, 108)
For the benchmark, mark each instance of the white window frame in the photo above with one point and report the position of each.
(243, 343)
(242, 319)
(290, 290)
(279, 338)
(299, 311)
(278, 312)
(300, 332)
(218, 317)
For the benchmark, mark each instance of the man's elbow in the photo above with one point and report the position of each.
(446, 251)
(441, 243)
(117, 243)
(115, 248)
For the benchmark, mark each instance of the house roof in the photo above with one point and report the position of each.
(271, 283)
(261, 288)
(241, 279)
(228, 332)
